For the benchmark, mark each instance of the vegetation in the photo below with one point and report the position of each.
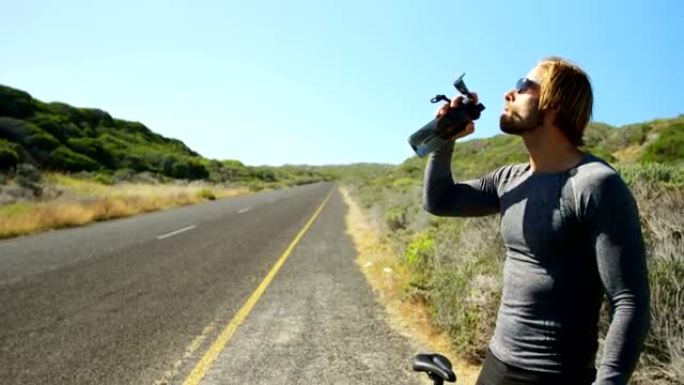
(58, 137)
(455, 263)
(64, 166)
(100, 167)
(84, 201)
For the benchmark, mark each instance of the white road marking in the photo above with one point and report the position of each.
(184, 229)
(242, 211)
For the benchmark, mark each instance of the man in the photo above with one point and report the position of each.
(571, 230)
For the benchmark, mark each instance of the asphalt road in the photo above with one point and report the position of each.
(142, 300)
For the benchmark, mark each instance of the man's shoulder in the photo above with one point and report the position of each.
(595, 180)
(594, 172)
(510, 172)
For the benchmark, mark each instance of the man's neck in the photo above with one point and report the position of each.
(550, 151)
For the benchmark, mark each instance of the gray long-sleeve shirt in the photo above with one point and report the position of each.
(570, 237)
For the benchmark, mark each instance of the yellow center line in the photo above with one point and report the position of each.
(217, 347)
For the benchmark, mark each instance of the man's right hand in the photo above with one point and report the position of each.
(455, 102)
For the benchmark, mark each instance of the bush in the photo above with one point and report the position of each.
(65, 159)
(95, 117)
(8, 158)
(92, 148)
(395, 218)
(12, 129)
(418, 256)
(56, 125)
(206, 193)
(123, 175)
(264, 174)
(15, 103)
(668, 147)
(134, 162)
(9, 155)
(651, 174)
(182, 167)
(104, 178)
(41, 141)
(255, 185)
(196, 170)
(663, 227)
(29, 177)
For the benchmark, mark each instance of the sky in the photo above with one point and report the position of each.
(331, 82)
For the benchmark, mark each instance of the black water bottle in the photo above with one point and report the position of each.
(435, 134)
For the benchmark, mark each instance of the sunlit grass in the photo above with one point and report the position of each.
(389, 276)
(77, 185)
(459, 271)
(87, 201)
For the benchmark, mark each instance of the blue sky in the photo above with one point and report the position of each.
(331, 82)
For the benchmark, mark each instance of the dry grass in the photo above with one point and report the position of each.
(459, 276)
(663, 224)
(86, 201)
(629, 154)
(388, 277)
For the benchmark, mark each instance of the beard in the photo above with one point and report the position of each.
(515, 124)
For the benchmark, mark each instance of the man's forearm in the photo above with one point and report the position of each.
(437, 178)
(624, 340)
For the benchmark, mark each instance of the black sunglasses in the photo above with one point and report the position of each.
(525, 84)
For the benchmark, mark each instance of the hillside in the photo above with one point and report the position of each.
(63, 166)
(659, 141)
(455, 264)
(59, 137)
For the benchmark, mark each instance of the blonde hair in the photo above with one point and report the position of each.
(566, 88)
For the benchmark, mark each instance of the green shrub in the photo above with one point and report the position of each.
(255, 185)
(41, 142)
(206, 193)
(123, 175)
(9, 154)
(395, 218)
(8, 158)
(15, 103)
(180, 167)
(404, 182)
(104, 178)
(668, 147)
(95, 117)
(477, 157)
(264, 174)
(28, 176)
(58, 126)
(92, 148)
(631, 135)
(134, 162)
(463, 301)
(419, 249)
(65, 159)
(651, 174)
(418, 256)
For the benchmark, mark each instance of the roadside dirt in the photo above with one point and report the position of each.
(387, 276)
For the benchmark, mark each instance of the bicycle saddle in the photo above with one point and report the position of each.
(436, 366)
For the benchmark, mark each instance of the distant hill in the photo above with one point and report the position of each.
(57, 136)
(658, 141)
